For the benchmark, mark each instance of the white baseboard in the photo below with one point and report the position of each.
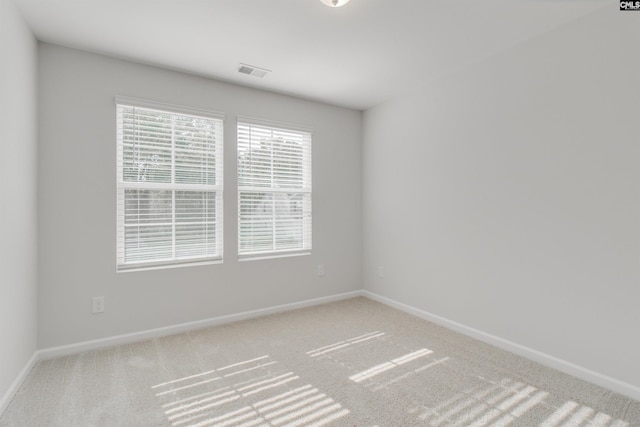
(53, 352)
(15, 386)
(537, 356)
(597, 378)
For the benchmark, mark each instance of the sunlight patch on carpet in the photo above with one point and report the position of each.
(255, 392)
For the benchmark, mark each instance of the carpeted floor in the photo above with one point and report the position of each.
(349, 363)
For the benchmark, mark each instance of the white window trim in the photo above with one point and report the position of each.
(121, 185)
(307, 232)
(169, 108)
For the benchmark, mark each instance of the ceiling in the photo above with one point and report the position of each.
(355, 56)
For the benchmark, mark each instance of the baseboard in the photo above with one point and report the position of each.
(537, 356)
(53, 352)
(15, 386)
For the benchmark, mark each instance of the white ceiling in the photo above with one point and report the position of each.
(355, 56)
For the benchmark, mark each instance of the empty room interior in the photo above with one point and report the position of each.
(319, 213)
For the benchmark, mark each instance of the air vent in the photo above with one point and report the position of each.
(252, 71)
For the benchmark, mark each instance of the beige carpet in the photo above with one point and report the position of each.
(350, 363)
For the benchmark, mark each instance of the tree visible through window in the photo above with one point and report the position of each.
(169, 186)
(274, 189)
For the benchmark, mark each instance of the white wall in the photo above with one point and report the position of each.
(506, 197)
(18, 179)
(77, 204)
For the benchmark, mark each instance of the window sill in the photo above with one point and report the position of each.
(165, 265)
(272, 255)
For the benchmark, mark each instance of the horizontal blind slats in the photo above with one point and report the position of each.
(169, 186)
(274, 189)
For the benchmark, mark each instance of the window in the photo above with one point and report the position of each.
(274, 189)
(169, 184)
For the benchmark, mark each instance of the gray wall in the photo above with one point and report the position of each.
(506, 197)
(77, 204)
(18, 179)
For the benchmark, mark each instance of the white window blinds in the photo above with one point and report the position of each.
(274, 189)
(169, 184)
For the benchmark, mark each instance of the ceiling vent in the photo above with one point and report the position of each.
(252, 71)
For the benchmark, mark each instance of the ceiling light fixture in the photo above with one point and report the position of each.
(335, 3)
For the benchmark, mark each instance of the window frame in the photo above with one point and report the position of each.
(306, 189)
(173, 187)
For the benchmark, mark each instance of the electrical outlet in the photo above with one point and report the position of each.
(380, 271)
(98, 305)
(321, 271)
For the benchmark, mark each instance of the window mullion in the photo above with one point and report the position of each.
(136, 151)
(205, 218)
(273, 200)
(173, 181)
